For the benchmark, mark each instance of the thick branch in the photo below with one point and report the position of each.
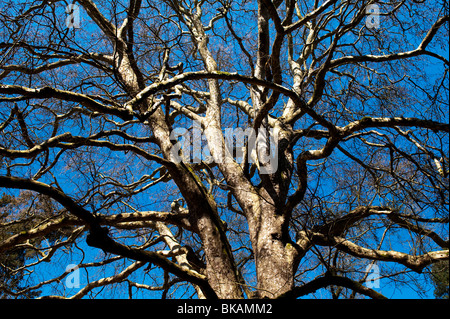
(98, 236)
(83, 99)
(56, 194)
(100, 239)
(415, 263)
(367, 122)
(329, 280)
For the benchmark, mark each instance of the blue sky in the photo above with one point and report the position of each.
(110, 162)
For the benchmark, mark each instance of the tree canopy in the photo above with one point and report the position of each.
(439, 275)
(223, 149)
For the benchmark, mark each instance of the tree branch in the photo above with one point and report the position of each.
(49, 92)
(415, 263)
(98, 236)
(329, 280)
(394, 56)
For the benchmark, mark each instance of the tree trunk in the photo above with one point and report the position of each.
(275, 255)
(220, 266)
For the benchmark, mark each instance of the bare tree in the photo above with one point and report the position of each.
(352, 96)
